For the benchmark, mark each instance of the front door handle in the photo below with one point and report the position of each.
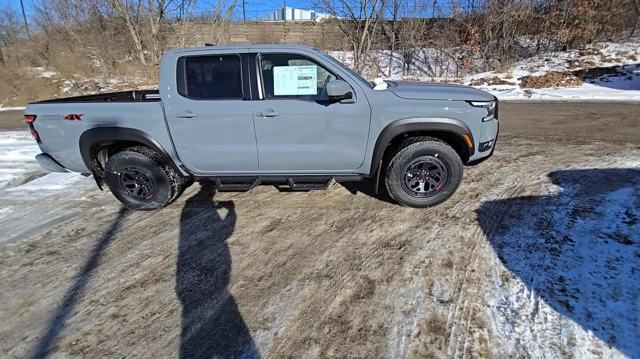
(268, 113)
(186, 114)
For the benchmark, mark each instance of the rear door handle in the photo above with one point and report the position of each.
(186, 114)
(268, 113)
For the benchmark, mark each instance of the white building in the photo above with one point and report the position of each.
(291, 14)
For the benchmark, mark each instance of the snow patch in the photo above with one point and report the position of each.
(571, 258)
(48, 74)
(43, 72)
(17, 158)
(434, 65)
(20, 173)
(627, 91)
(11, 108)
(380, 85)
(50, 182)
(5, 211)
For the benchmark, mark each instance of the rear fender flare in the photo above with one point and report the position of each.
(107, 135)
(399, 127)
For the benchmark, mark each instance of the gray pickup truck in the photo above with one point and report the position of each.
(291, 116)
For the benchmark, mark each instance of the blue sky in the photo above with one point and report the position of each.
(258, 8)
(15, 4)
(253, 7)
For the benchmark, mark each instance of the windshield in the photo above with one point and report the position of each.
(346, 68)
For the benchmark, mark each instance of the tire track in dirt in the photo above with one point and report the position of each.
(464, 293)
(469, 294)
(461, 317)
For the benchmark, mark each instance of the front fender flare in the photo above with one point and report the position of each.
(418, 124)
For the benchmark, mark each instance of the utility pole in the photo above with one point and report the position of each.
(284, 10)
(244, 14)
(24, 17)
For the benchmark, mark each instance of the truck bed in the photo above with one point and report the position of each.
(60, 134)
(121, 96)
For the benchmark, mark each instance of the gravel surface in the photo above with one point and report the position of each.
(537, 255)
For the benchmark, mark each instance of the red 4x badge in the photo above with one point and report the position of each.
(74, 117)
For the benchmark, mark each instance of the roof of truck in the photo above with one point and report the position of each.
(256, 47)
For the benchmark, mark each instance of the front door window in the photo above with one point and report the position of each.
(292, 76)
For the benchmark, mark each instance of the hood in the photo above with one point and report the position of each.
(437, 91)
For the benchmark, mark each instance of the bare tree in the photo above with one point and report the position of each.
(10, 32)
(157, 11)
(394, 7)
(636, 8)
(185, 12)
(412, 34)
(359, 21)
(130, 11)
(219, 19)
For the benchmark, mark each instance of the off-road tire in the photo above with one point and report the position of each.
(427, 148)
(167, 185)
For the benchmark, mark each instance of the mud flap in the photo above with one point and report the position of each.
(378, 177)
(99, 179)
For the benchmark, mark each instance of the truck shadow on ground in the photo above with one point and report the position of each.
(577, 251)
(368, 188)
(212, 325)
(75, 292)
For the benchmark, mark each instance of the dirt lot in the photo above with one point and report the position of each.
(537, 255)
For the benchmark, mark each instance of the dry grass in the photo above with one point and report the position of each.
(550, 80)
(583, 63)
(17, 88)
(436, 326)
(490, 81)
(432, 338)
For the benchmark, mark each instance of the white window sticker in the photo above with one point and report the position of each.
(295, 80)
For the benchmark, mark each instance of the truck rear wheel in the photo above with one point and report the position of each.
(423, 173)
(140, 179)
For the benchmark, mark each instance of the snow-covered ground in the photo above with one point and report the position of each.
(2, 108)
(584, 92)
(19, 170)
(618, 80)
(17, 163)
(574, 254)
(622, 60)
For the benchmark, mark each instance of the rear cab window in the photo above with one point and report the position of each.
(210, 77)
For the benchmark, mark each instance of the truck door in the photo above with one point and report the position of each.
(210, 113)
(297, 127)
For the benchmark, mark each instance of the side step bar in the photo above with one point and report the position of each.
(236, 187)
(308, 186)
(290, 183)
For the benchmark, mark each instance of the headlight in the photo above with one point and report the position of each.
(490, 106)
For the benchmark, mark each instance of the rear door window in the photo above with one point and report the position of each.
(212, 77)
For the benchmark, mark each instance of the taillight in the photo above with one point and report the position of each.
(30, 119)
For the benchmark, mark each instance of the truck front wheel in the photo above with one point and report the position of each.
(140, 179)
(423, 173)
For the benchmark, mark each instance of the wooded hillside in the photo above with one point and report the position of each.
(121, 41)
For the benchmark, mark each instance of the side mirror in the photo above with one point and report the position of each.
(339, 90)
